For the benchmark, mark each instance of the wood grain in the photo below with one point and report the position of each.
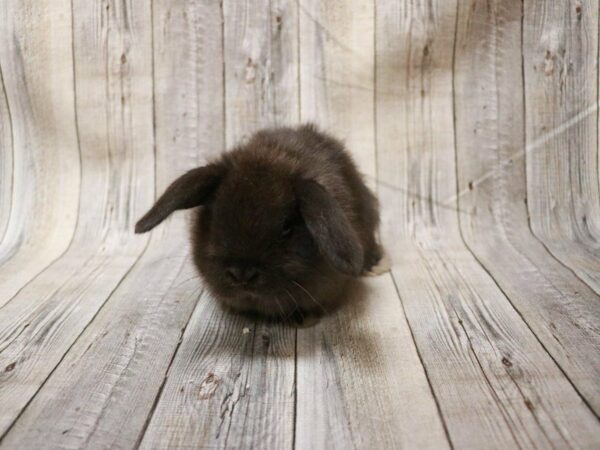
(561, 117)
(488, 372)
(477, 124)
(104, 388)
(97, 387)
(43, 321)
(37, 78)
(189, 88)
(337, 55)
(227, 388)
(6, 160)
(261, 66)
(360, 381)
(229, 374)
(562, 311)
(349, 366)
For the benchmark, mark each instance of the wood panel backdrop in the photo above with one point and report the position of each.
(476, 123)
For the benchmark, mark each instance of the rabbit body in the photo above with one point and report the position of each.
(284, 221)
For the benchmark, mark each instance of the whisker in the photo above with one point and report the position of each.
(297, 308)
(161, 259)
(292, 297)
(198, 291)
(283, 316)
(310, 295)
(195, 277)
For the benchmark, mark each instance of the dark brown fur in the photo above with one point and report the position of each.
(285, 222)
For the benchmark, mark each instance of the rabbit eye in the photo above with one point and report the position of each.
(287, 229)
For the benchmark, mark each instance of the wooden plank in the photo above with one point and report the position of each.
(226, 388)
(79, 331)
(229, 385)
(261, 66)
(360, 381)
(560, 53)
(6, 160)
(562, 311)
(43, 321)
(495, 384)
(337, 73)
(95, 398)
(188, 71)
(37, 77)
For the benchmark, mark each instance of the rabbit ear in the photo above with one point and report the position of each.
(190, 190)
(327, 223)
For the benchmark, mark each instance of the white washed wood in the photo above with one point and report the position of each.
(188, 72)
(225, 385)
(226, 388)
(261, 66)
(563, 312)
(355, 388)
(43, 321)
(103, 391)
(97, 388)
(6, 160)
(360, 381)
(495, 384)
(337, 62)
(37, 75)
(490, 375)
(560, 54)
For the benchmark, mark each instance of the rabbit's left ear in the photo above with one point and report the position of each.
(327, 223)
(190, 190)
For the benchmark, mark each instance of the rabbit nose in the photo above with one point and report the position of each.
(242, 274)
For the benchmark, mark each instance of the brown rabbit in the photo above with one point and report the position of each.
(285, 221)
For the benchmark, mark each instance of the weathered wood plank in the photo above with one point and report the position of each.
(496, 386)
(226, 388)
(89, 339)
(95, 399)
(189, 88)
(360, 382)
(229, 376)
(6, 160)
(337, 73)
(37, 78)
(563, 312)
(43, 321)
(560, 53)
(96, 389)
(261, 62)
(103, 390)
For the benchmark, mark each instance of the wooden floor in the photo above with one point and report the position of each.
(476, 123)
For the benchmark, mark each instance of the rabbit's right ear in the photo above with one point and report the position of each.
(190, 190)
(330, 228)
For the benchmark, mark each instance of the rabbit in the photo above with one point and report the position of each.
(284, 222)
